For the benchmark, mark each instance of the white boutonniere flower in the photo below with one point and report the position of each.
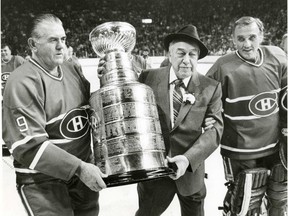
(189, 98)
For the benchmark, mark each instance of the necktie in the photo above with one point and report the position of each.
(177, 98)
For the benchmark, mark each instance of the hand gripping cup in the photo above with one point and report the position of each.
(127, 138)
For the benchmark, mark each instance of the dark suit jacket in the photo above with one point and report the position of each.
(186, 137)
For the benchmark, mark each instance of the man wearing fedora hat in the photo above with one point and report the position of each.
(187, 143)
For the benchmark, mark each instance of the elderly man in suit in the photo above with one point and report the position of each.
(187, 143)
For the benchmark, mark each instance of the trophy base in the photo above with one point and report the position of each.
(137, 176)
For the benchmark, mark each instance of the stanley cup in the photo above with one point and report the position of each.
(127, 138)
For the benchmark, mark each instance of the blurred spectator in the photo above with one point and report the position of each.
(70, 56)
(135, 51)
(138, 63)
(165, 62)
(145, 54)
(212, 17)
(9, 62)
(283, 44)
(70, 52)
(27, 55)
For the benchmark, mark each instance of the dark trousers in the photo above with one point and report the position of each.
(56, 197)
(155, 196)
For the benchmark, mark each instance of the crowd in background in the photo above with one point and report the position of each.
(213, 18)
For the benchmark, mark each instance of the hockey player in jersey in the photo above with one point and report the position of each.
(254, 85)
(9, 63)
(46, 128)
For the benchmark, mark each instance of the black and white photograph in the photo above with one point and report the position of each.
(144, 108)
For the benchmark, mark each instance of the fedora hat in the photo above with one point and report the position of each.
(188, 32)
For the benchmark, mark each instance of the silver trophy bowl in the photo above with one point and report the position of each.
(114, 42)
(113, 36)
(127, 137)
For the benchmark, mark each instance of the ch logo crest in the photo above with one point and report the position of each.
(5, 76)
(75, 124)
(264, 104)
(284, 99)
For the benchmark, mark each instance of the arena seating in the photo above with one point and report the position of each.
(212, 18)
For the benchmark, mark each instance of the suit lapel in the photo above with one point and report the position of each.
(192, 88)
(163, 92)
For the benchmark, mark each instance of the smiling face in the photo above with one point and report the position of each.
(50, 47)
(248, 39)
(6, 53)
(183, 57)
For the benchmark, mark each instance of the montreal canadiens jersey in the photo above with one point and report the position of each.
(45, 121)
(7, 68)
(251, 102)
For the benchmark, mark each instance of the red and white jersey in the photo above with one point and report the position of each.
(7, 68)
(251, 102)
(45, 121)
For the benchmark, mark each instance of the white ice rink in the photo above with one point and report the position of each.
(122, 200)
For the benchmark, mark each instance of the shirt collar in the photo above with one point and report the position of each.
(173, 77)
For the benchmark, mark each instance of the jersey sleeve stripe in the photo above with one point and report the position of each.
(240, 118)
(251, 117)
(247, 98)
(25, 140)
(62, 115)
(60, 141)
(56, 119)
(228, 100)
(39, 154)
(249, 150)
(23, 170)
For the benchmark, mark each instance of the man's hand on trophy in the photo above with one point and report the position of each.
(181, 163)
(91, 176)
(101, 67)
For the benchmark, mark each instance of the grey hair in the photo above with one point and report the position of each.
(40, 19)
(247, 20)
